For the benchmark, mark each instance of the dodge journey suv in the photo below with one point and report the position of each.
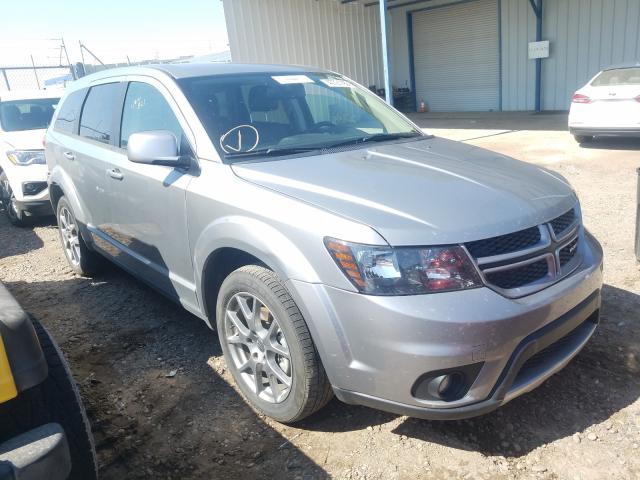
(334, 246)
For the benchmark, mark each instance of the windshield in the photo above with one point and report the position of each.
(619, 76)
(16, 115)
(273, 114)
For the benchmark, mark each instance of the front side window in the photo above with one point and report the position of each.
(619, 76)
(267, 114)
(145, 109)
(96, 122)
(19, 115)
(69, 113)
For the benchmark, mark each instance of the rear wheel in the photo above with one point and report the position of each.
(81, 259)
(583, 138)
(268, 347)
(14, 214)
(56, 400)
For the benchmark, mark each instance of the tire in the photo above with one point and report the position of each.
(583, 138)
(309, 388)
(81, 259)
(14, 214)
(56, 400)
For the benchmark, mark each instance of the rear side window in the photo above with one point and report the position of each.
(69, 114)
(145, 109)
(619, 76)
(96, 122)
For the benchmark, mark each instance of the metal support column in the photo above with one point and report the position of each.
(537, 9)
(386, 59)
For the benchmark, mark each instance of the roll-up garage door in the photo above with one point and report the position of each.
(455, 52)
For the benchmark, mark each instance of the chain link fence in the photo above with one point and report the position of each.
(32, 78)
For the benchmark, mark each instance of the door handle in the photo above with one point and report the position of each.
(70, 155)
(115, 173)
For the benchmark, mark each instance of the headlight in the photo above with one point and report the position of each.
(404, 271)
(26, 157)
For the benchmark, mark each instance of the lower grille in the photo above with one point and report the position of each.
(557, 350)
(519, 276)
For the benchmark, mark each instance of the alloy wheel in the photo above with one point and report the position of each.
(70, 235)
(258, 347)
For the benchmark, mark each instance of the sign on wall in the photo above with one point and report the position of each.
(538, 49)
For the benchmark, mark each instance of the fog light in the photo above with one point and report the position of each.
(446, 385)
(33, 188)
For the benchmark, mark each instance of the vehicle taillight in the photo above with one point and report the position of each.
(637, 99)
(580, 98)
(44, 141)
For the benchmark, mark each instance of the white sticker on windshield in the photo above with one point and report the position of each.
(336, 83)
(288, 79)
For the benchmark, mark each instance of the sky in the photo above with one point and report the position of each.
(112, 29)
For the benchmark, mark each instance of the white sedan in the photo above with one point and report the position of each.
(609, 105)
(24, 116)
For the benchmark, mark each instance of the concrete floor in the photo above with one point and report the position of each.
(503, 121)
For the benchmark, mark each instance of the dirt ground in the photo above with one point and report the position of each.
(123, 341)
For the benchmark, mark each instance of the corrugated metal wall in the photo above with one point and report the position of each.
(585, 35)
(327, 34)
(518, 72)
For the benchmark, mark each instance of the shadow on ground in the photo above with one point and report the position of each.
(603, 379)
(11, 244)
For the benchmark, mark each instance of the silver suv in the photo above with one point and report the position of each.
(334, 246)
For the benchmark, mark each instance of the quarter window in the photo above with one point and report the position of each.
(145, 109)
(67, 119)
(96, 122)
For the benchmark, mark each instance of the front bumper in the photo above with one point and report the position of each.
(39, 453)
(374, 349)
(35, 207)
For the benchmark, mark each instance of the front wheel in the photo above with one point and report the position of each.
(268, 348)
(14, 214)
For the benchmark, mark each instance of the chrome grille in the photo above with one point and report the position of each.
(563, 222)
(516, 277)
(526, 261)
(511, 242)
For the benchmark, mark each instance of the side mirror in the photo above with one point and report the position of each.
(158, 147)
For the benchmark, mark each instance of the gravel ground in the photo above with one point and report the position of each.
(162, 404)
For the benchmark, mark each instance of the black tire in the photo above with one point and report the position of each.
(90, 262)
(14, 214)
(56, 400)
(310, 387)
(583, 138)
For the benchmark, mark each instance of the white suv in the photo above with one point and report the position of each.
(24, 116)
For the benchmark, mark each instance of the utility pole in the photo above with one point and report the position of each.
(35, 72)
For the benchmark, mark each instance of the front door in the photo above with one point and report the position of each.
(148, 221)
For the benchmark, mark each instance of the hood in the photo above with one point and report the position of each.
(24, 140)
(425, 192)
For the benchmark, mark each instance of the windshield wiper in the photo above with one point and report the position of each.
(273, 152)
(378, 137)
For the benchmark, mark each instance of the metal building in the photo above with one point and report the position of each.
(457, 55)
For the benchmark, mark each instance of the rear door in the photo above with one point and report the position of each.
(88, 154)
(148, 220)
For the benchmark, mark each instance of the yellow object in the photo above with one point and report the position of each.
(7, 385)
